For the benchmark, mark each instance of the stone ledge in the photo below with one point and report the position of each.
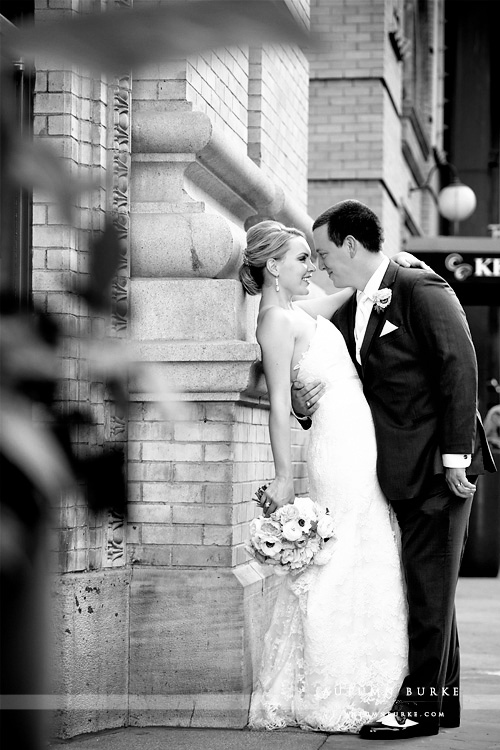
(202, 396)
(194, 351)
(162, 207)
(200, 378)
(202, 371)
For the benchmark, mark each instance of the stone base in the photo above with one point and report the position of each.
(194, 637)
(90, 651)
(157, 647)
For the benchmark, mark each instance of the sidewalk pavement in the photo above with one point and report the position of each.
(478, 608)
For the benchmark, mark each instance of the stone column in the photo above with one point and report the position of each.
(198, 607)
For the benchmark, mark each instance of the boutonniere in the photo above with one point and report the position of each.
(382, 299)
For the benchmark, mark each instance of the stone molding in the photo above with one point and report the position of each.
(216, 156)
(121, 167)
(114, 537)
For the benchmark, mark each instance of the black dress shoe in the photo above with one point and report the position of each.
(449, 723)
(396, 726)
(450, 720)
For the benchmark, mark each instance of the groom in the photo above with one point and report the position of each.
(409, 340)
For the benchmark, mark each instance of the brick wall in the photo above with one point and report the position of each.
(347, 102)
(217, 84)
(278, 116)
(278, 110)
(352, 32)
(346, 129)
(191, 482)
(357, 121)
(70, 117)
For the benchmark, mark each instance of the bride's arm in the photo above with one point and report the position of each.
(325, 306)
(276, 339)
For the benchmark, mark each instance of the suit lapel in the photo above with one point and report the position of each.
(344, 320)
(351, 315)
(377, 319)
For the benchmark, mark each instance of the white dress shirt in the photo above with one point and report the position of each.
(365, 300)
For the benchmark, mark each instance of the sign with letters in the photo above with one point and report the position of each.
(475, 277)
(475, 267)
(470, 265)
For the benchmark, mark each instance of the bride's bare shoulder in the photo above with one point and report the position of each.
(273, 322)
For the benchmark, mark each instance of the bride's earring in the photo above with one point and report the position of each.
(276, 281)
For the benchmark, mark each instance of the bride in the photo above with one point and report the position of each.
(335, 654)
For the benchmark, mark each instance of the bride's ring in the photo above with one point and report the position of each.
(308, 404)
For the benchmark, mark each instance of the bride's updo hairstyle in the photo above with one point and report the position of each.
(266, 240)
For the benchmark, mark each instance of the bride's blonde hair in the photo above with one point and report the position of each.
(265, 240)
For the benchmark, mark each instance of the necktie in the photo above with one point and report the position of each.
(363, 312)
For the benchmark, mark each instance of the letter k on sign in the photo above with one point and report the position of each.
(482, 267)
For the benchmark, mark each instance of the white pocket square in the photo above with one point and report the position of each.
(388, 328)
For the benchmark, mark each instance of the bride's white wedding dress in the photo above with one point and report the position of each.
(335, 654)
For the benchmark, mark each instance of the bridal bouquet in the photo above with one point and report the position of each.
(293, 537)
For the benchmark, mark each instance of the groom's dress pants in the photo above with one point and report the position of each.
(433, 535)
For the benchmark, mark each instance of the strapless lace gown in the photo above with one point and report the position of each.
(335, 654)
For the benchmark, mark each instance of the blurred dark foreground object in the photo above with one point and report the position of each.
(43, 449)
(37, 463)
(125, 38)
(23, 616)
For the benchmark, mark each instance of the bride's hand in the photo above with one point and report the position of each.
(407, 260)
(278, 493)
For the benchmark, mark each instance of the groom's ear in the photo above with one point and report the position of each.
(351, 245)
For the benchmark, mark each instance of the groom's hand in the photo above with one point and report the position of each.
(458, 483)
(305, 398)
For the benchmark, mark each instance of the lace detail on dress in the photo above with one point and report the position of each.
(336, 651)
(306, 351)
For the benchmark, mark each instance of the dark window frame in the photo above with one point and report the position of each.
(16, 202)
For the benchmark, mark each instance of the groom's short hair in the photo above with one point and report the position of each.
(354, 218)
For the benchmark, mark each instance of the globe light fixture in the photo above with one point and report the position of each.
(456, 201)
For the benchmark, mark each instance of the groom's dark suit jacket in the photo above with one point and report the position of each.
(420, 380)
